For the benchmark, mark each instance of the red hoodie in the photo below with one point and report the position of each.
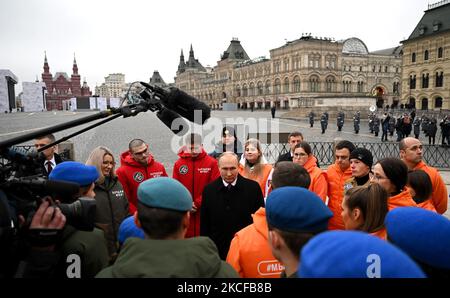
(131, 174)
(195, 173)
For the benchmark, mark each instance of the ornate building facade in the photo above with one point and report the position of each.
(60, 87)
(114, 86)
(298, 73)
(426, 60)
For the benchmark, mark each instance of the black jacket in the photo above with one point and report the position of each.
(58, 160)
(112, 209)
(285, 157)
(225, 212)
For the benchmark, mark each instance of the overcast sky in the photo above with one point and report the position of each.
(136, 37)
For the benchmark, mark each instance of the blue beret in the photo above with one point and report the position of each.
(354, 254)
(76, 172)
(128, 229)
(165, 193)
(296, 209)
(423, 234)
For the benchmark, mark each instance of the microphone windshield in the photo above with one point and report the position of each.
(187, 106)
(173, 121)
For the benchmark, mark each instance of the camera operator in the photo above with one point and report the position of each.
(32, 251)
(89, 246)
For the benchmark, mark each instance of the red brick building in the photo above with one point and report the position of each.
(60, 87)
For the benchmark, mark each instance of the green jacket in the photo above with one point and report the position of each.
(185, 258)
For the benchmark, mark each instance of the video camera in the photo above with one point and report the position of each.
(24, 192)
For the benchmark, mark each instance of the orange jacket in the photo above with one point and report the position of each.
(336, 179)
(250, 253)
(261, 178)
(382, 234)
(403, 199)
(439, 195)
(428, 205)
(318, 181)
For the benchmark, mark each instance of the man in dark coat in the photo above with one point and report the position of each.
(228, 204)
(294, 138)
(48, 158)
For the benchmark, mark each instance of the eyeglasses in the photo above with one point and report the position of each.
(376, 177)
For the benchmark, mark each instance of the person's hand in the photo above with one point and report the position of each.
(48, 217)
(46, 227)
(194, 208)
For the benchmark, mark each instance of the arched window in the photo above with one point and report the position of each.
(424, 103)
(260, 88)
(286, 85)
(251, 89)
(314, 84)
(439, 79)
(296, 84)
(413, 57)
(277, 86)
(267, 87)
(238, 91)
(330, 84)
(244, 90)
(440, 52)
(438, 102)
(425, 55)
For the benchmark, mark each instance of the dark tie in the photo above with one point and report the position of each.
(49, 167)
(229, 187)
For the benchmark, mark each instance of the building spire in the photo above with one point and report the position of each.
(74, 59)
(191, 52)
(45, 57)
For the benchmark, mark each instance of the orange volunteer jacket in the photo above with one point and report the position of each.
(439, 195)
(250, 253)
(318, 182)
(403, 199)
(336, 180)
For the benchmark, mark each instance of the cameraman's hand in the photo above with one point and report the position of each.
(48, 217)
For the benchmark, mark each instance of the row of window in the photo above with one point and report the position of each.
(438, 82)
(426, 55)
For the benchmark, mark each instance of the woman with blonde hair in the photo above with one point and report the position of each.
(253, 164)
(364, 209)
(112, 204)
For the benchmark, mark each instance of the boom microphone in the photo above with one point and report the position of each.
(173, 121)
(182, 103)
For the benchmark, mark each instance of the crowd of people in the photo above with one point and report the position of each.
(230, 213)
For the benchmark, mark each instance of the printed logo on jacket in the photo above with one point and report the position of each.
(183, 170)
(138, 177)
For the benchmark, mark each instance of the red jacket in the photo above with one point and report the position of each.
(336, 180)
(131, 174)
(195, 174)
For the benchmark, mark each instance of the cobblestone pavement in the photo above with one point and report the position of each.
(117, 133)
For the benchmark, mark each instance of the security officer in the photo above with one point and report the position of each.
(340, 120)
(311, 116)
(356, 121)
(324, 122)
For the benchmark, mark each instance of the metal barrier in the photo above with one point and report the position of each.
(435, 156)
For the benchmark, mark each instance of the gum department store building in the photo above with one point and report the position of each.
(310, 70)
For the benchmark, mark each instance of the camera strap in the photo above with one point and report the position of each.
(43, 237)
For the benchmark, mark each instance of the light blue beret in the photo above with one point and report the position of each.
(76, 172)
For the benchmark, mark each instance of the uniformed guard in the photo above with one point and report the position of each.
(340, 120)
(356, 121)
(324, 122)
(311, 116)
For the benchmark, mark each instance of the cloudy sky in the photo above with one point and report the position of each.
(136, 37)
